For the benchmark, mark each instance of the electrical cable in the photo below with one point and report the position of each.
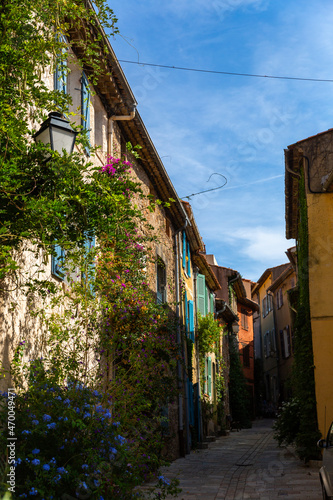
(227, 72)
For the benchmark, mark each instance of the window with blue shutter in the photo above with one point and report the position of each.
(57, 262)
(85, 108)
(186, 311)
(60, 74)
(184, 250)
(201, 287)
(191, 319)
(188, 260)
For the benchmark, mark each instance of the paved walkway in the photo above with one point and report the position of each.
(245, 465)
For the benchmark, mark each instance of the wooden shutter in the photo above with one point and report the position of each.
(201, 287)
(85, 107)
(60, 74)
(209, 376)
(206, 301)
(57, 262)
(186, 311)
(191, 319)
(184, 250)
(212, 303)
(283, 354)
(188, 260)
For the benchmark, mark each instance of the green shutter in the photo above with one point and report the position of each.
(201, 286)
(206, 301)
(212, 303)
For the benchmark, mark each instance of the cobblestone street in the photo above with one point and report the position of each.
(245, 465)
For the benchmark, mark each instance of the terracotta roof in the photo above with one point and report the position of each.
(275, 271)
(279, 280)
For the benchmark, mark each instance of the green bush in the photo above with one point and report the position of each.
(288, 422)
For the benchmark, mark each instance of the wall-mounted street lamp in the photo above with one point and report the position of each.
(235, 327)
(57, 132)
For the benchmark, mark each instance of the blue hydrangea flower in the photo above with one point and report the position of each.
(18, 462)
(85, 466)
(26, 432)
(67, 401)
(121, 439)
(62, 470)
(23, 495)
(51, 426)
(86, 415)
(35, 461)
(107, 414)
(65, 419)
(59, 398)
(53, 461)
(46, 467)
(35, 451)
(35, 422)
(47, 418)
(57, 478)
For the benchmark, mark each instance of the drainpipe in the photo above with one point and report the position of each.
(112, 119)
(179, 342)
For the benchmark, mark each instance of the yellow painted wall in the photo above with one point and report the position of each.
(320, 230)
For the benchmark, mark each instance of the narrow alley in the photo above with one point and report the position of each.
(245, 465)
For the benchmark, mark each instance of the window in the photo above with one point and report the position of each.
(209, 375)
(188, 259)
(267, 305)
(160, 281)
(246, 356)
(57, 262)
(60, 74)
(267, 345)
(85, 109)
(201, 294)
(285, 342)
(190, 320)
(279, 298)
(186, 255)
(167, 227)
(244, 319)
(211, 303)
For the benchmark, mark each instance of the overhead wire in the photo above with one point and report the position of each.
(230, 73)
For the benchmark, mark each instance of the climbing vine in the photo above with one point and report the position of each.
(307, 434)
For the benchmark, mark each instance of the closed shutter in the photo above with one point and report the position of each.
(186, 311)
(184, 250)
(191, 319)
(212, 303)
(206, 301)
(85, 108)
(201, 287)
(188, 260)
(209, 376)
(60, 74)
(283, 354)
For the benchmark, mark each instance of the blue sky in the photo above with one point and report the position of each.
(236, 126)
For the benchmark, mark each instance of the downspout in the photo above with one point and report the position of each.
(179, 342)
(112, 119)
